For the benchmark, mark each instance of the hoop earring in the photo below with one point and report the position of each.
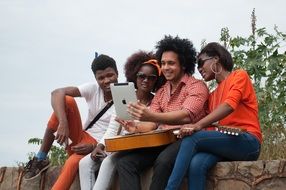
(215, 72)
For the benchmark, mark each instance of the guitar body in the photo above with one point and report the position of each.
(140, 140)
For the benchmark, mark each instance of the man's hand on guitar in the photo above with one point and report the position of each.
(139, 111)
(98, 152)
(129, 125)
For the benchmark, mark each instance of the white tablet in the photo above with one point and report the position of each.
(122, 94)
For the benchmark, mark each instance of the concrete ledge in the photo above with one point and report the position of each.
(258, 175)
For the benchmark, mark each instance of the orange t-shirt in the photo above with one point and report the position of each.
(238, 92)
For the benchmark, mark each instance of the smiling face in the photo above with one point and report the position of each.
(205, 66)
(146, 78)
(170, 66)
(105, 77)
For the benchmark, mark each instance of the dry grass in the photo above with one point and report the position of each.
(274, 143)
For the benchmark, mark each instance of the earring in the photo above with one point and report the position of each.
(212, 69)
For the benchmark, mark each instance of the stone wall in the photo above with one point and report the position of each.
(258, 175)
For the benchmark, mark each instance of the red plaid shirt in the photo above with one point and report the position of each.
(191, 94)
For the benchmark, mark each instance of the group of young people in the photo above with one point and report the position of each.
(169, 97)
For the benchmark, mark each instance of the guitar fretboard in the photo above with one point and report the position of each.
(230, 130)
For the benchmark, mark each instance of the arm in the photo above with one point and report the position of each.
(111, 131)
(170, 118)
(141, 112)
(131, 126)
(58, 104)
(219, 113)
(136, 127)
(142, 127)
(189, 107)
(234, 97)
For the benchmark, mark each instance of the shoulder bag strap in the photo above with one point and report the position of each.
(106, 107)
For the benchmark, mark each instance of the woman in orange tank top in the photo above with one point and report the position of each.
(233, 103)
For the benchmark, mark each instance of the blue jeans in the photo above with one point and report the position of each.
(202, 150)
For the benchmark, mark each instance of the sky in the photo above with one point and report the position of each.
(49, 44)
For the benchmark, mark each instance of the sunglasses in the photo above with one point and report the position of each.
(143, 76)
(201, 62)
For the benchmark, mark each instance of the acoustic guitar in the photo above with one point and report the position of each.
(140, 140)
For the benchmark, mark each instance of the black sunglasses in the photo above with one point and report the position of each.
(201, 62)
(143, 76)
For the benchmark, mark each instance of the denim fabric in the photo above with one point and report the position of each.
(202, 150)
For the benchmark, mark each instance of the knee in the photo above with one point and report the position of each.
(162, 165)
(188, 142)
(72, 162)
(125, 164)
(84, 163)
(161, 162)
(107, 161)
(122, 164)
(70, 101)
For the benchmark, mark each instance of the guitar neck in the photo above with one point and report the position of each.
(229, 130)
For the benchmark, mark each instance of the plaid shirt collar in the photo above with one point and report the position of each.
(182, 82)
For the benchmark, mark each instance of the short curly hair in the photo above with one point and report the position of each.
(102, 62)
(183, 47)
(134, 63)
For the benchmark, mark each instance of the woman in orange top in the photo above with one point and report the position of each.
(232, 103)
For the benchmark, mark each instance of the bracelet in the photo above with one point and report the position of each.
(136, 127)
